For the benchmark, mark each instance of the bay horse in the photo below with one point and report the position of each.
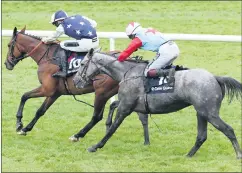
(23, 45)
(193, 87)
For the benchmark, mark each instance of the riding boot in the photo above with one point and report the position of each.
(64, 69)
(163, 72)
(154, 73)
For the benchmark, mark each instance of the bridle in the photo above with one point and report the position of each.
(14, 60)
(96, 72)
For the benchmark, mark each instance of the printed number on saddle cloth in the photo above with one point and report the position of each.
(74, 62)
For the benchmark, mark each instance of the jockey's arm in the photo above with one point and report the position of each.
(133, 46)
(58, 33)
(93, 22)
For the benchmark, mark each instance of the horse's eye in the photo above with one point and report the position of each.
(8, 45)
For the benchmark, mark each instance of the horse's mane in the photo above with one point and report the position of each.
(109, 54)
(129, 60)
(33, 36)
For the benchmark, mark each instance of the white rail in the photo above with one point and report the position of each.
(115, 35)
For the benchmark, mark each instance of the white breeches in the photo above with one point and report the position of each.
(167, 53)
(83, 45)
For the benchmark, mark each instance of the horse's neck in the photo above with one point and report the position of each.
(29, 44)
(117, 70)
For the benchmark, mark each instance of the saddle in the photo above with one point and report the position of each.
(162, 84)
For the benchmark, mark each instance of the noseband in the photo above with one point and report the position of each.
(14, 59)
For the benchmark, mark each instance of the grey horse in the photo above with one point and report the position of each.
(195, 87)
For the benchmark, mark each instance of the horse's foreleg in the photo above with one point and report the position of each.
(144, 120)
(112, 107)
(202, 124)
(41, 111)
(31, 94)
(97, 116)
(142, 117)
(118, 120)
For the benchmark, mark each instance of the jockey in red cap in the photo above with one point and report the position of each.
(150, 39)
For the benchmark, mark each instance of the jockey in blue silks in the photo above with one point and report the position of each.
(152, 40)
(81, 28)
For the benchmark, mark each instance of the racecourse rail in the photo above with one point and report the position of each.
(115, 35)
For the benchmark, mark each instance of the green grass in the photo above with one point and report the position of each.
(47, 148)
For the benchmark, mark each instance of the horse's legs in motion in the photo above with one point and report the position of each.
(219, 124)
(202, 124)
(104, 89)
(31, 94)
(97, 116)
(120, 116)
(143, 118)
(41, 111)
(112, 108)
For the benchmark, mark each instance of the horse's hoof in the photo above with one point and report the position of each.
(92, 149)
(146, 143)
(19, 126)
(189, 155)
(74, 139)
(21, 132)
(239, 156)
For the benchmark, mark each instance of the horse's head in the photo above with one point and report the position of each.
(92, 65)
(15, 51)
(86, 71)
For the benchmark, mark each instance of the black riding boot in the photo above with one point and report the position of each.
(63, 71)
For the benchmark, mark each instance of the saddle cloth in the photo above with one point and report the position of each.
(158, 85)
(74, 61)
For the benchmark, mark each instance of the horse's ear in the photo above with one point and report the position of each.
(23, 30)
(91, 52)
(14, 31)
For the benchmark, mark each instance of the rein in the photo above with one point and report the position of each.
(68, 91)
(99, 69)
(134, 77)
(46, 52)
(32, 51)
